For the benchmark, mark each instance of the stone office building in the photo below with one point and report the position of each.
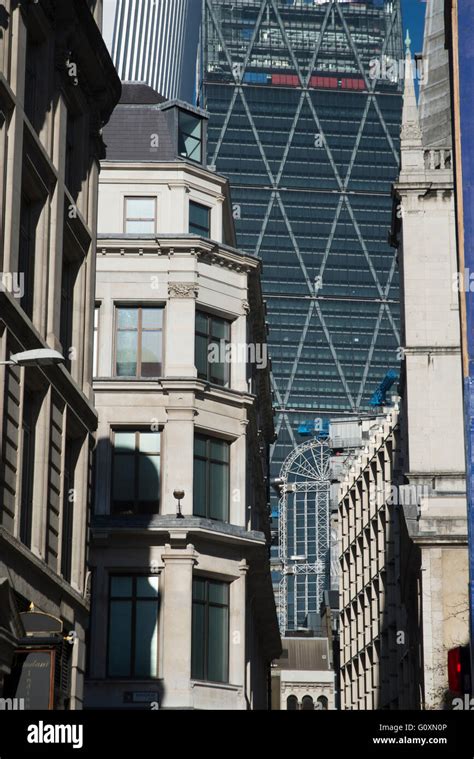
(183, 609)
(404, 594)
(57, 89)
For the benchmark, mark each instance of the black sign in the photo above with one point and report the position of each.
(32, 678)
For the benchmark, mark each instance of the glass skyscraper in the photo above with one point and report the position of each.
(305, 103)
(155, 42)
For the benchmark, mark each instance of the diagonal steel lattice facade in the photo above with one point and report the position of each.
(310, 141)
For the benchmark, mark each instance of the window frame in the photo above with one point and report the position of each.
(126, 219)
(207, 605)
(137, 431)
(133, 637)
(208, 461)
(182, 113)
(201, 231)
(212, 341)
(96, 339)
(140, 308)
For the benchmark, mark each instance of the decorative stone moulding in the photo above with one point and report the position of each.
(183, 290)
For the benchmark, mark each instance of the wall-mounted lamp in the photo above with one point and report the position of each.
(179, 495)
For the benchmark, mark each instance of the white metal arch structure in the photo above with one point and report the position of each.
(304, 532)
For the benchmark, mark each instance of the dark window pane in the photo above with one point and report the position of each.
(199, 589)
(121, 586)
(219, 329)
(211, 478)
(198, 642)
(219, 450)
(201, 322)
(147, 587)
(149, 478)
(212, 339)
(201, 356)
(218, 592)
(124, 475)
(219, 491)
(200, 446)
(218, 370)
(218, 644)
(199, 505)
(120, 638)
(199, 219)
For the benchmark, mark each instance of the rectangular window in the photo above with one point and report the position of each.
(95, 360)
(67, 536)
(212, 339)
(27, 469)
(27, 252)
(68, 282)
(136, 472)
(199, 219)
(140, 216)
(211, 478)
(139, 341)
(190, 136)
(133, 627)
(210, 631)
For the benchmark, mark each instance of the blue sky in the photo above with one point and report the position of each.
(413, 12)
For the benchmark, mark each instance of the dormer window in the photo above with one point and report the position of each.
(190, 136)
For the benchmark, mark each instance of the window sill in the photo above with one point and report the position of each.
(212, 684)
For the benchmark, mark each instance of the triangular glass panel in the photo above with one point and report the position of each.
(308, 164)
(340, 122)
(273, 114)
(242, 159)
(374, 165)
(311, 216)
(346, 272)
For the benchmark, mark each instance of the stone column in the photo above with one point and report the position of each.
(237, 628)
(240, 354)
(180, 330)
(217, 217)
(176, 619)
(238, 479)
(178, 446)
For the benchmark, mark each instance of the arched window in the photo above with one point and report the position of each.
(322, 703)
(307, 703)
(292, 703)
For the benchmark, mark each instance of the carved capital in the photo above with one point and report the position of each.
(183, 290)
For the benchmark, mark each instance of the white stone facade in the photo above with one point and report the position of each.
(182, 274)
(50, 146)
